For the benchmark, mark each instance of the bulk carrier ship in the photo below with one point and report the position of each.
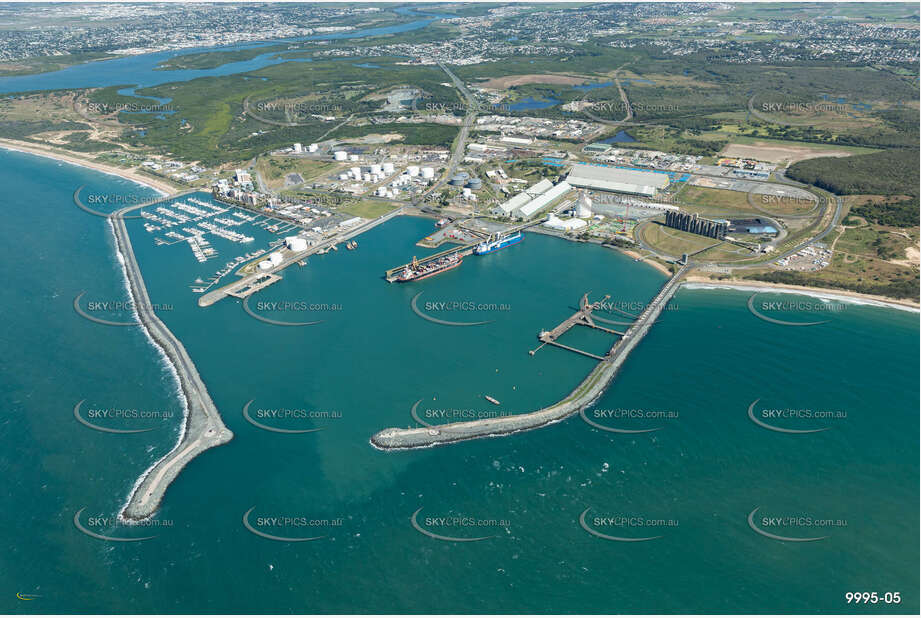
(416, 271)
(499, 242)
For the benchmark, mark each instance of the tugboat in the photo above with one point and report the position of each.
(416, 271)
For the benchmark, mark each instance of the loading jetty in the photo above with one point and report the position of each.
(202, 426)
(583, 396)
(461, 249)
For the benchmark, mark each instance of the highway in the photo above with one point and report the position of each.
(462, 135)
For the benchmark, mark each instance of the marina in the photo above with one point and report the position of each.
(253, 280)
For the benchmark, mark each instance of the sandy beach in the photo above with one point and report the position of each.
(652, 263)
(700, 282)
(75, 159)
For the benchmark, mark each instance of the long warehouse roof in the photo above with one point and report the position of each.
(544, 199)
(615, 179)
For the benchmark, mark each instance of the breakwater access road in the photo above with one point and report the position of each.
(202, 426)
(584, 395)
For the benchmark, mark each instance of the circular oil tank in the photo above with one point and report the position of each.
(475, 184)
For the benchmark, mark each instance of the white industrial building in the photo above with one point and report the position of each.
(543, 200)
(533, 199)
(602, 178)
(564, 225)
(351, 222)
(518, 141)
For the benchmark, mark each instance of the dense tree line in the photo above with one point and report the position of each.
(898, 213)
(897, 288)
(894, 172)
(18, 129)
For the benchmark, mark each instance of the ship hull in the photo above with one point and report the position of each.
(430, 274)
(500, 245)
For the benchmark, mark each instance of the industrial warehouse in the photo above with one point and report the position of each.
(533, 199)
(603, 178)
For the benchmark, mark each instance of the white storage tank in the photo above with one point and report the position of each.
(353, 158)
(295, 243)
(340, 155)
(428, 172)
(298, 148)
(356, 172)
(366, 177)
(343, 176)
(388, 167)
(376, 168)
(265, 265)
(276, 258)
(413, 170)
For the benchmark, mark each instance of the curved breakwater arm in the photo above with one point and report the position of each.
(584, 395)
(202, 425)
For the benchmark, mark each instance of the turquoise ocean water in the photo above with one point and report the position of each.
(692, 483)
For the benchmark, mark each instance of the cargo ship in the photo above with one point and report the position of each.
(416, 271)
(499, 242)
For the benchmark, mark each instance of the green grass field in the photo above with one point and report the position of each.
(369, 209)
